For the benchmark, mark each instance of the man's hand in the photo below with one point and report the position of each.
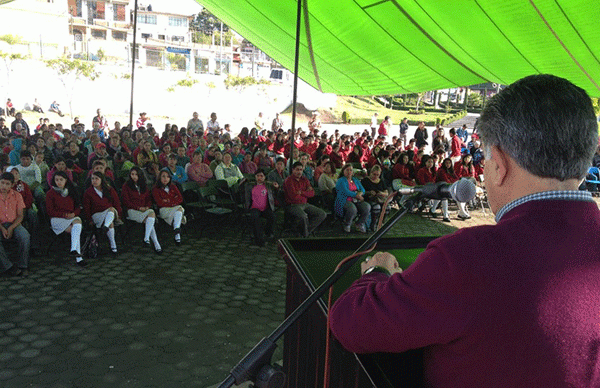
(70, 216)
(8, 233)
(359, 197)
(381, 259)
(4, 232)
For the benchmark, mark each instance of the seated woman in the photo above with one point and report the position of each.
(146, 155)
(198, 171)
(168, 199)
(375, 192)
(327, 181)
(228, 171)
(446, 174)
(349, 200)
(62, 205)
(464, 169)
(138, 202)
(101, 205)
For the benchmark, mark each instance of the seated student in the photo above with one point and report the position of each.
(164, 155)
(446, 174)
(228, 171)
(59, 165)
(169, 200)
(31, 211)
(138, 202)
(101, 205)
(177, 172)
(182, 158)
(404, 170)
(99, 153)
(297, 190)
(99, 166)
(236, 155)
(11, 215)
(375, 192)
(350, 201)
(248, 166)
(198, 171)
(319, 169)
(146, 156)
(309, 171)
(261, 202)
(327, 181)
(32, 175)
(75, 155)
(62, 205)
(262, 160)
(217, 159)
(279, 175)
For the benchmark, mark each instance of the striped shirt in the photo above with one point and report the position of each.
(564, 195)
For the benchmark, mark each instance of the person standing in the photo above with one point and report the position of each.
(24, 126)
(515, 304)
(384, 127)
(374, 125)
(403, 131)
(195, 124)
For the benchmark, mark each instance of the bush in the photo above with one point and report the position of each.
(187, 82)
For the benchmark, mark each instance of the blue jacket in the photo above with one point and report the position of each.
(15, 154)
(343, 192)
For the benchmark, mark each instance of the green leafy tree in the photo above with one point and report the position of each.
(69, 72)
(205, 25)
(474, 99)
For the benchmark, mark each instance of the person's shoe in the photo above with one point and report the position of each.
(177, 230)
(361, 228)
(433, 214)
(114, 251)
(81, 263)
(346, 228)
(147, 242)
(158, 251)
(463, 217)
(446, 219)
(118, 222)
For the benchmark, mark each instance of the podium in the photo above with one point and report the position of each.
(309, 263)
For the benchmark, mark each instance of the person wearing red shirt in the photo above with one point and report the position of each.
(101, 205)
(168, 199)
(456, 146)
(426, 174)
(297, 190)
(63, 208)
(385, 126)
(164, 155)
(335, 156)
(464, 168)
(403, 170)
(445, 174)
(138, 202)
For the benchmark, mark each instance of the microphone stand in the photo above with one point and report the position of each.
(256, 365)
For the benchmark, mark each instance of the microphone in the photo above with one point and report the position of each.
(462, 190)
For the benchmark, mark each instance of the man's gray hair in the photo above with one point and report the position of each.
(545, 123)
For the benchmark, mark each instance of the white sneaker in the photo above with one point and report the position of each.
(346, 228)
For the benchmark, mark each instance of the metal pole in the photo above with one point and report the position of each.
(294, 99)
(133, 62)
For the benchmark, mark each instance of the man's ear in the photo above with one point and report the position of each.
(501, 166)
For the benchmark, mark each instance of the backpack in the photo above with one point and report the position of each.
(90, 247)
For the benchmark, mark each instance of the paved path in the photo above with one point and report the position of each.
(181, 319)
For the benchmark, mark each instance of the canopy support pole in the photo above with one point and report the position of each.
(295, 93)
(135, 11)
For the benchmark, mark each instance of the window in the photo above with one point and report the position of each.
(119, 12)
(119, 35)
(146, 36)
(147, 19)
(176, 38)
(99, 34)
(75, 8)
(161, 37)
(177, 22)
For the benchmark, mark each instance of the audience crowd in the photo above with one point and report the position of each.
(72, 177)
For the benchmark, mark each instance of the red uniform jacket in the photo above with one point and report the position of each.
(443, 176)
(58, 206)
(92, 203)
(164, 199)
(291, 186)
(133, 199)
(23, 188)
(424, 176)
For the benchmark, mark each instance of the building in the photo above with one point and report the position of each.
(100, 25)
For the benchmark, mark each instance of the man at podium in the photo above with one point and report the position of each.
(516, 304)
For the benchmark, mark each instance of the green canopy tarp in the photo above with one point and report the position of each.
(371, 47)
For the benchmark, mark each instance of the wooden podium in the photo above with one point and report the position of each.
(309, 263)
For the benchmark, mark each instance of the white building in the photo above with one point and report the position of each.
(102, 25)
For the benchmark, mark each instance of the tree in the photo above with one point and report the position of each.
(205, 24)
(69, 71)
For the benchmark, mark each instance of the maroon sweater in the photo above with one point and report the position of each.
(132, 199)
(515, 304)
(58, 206)
(92, 203)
